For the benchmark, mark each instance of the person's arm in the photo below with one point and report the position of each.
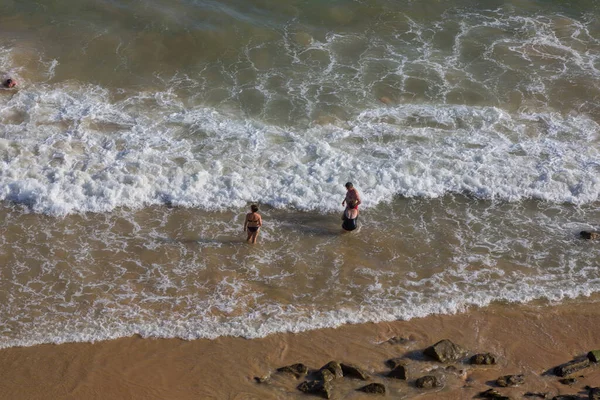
(357, 197)
(246, 223)
(259, 220)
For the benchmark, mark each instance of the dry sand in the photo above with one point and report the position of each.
(528, 339)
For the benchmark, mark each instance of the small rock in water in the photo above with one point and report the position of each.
(394, 362)
(444, 351)
(352, 371)
(568, 381)
(594, 356)
(400, 372)
(319, 388)
(397, 339)
(571, 366)
(334, 367)
(566, 397)
(510, 380)
(428, 382)
(385, 100)
(536, 394)
(374, 388)
(483, 359)
(493, 394)
(590, 235)
(263, 379)
(296, 369)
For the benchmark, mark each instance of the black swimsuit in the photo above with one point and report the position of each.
(253, 228)
(349, 224)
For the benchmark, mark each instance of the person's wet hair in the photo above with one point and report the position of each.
(349, 185)
(254, 207)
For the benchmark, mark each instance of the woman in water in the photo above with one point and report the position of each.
(350, 216)
(252, 224)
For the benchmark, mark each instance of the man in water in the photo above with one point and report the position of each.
(351, 194)
(252, 224)
(350, 216)
(9, 83)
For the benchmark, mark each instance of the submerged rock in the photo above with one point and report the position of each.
(510, 380)
(261, 379)
(428, 382)
(351, 371)
(394, 362)
(483, 359)
(319, 388)
(296, 369)
(374, 388)
(566, 397)
(444, 351)
(590, 235)
(572, 366)
(536, 394)
(568, 381)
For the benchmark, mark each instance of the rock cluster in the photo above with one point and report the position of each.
(321, 382)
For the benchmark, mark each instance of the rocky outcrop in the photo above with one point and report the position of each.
(297, 370)
(428, 382)
(374, 388)
(444, 351)
(568, 381)
(324, 375)
(318, 388)
(483, 359)
(572, 366)
(510, 380)
(566, 397)
(394, 362)
(594, 393)
(536, 394)
(352, 371)
(590, 235)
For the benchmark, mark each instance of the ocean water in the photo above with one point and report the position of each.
(140, 132)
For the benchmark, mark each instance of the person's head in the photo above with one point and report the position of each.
(349, 185)
(10, 83)
(254, 207)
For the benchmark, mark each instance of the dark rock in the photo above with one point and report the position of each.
(566, 397)
(571, 366)
(318, 388)
(594, 356)
(335, 368)
(536, 394)
(394, 362)
(590, 235)
(400, 372)
(324, 375)
(510, 380)
(375, 388)
(428, 382)
(594, 393)
(352, 371)
(263, 379)
(296, 369)
(493, 394)
(444, 351)
(483, 359)
(568, 381)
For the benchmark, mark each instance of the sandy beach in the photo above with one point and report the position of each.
(527, 339)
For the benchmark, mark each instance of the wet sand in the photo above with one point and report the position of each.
(527, 339)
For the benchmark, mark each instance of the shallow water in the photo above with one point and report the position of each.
(141, 131)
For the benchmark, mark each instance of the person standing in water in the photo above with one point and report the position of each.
(9, 83)
(351, 194)
(252, 224)
(350, 216)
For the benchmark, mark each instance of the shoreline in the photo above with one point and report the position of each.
(529, 339)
